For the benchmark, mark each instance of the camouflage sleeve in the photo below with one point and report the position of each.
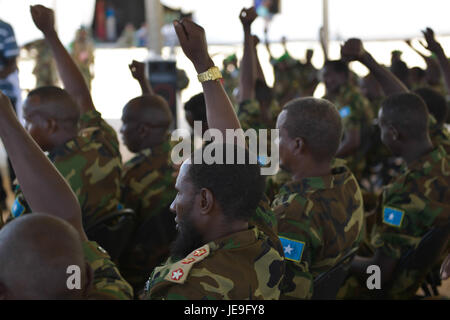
(299, 240)
(94, 119)
(108, 282)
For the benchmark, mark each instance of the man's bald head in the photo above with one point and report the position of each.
(145, 122)
(150, 109)
(35, 252)
(52, 102)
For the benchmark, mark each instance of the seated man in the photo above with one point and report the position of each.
(411, 205)
(147, 181)
(37, 250)
(217, 253)
(83, 147)
(320, 212)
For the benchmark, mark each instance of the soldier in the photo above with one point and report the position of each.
(83, 54)
(84, 149)
(205, 215)
(147, 181)
(217, 253)
(320, 212)
(37, 249)
(410, 206)
(230, 73)
(44, 68)
(355, 112)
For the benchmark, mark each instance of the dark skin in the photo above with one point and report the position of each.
(219, 109)
(71, 76)
(137, 70)
(435, 47)
(56, 195)
(410, 150)
(432, 72)
(206, 213)
(295, 156)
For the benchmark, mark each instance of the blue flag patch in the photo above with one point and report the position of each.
(293, 250)
(393, 217)
(17, 209)
(344, 112)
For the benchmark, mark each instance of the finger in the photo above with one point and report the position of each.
(180, 31)
(191, 27)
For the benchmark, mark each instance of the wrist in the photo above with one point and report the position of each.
(203, 65)
(49, 33)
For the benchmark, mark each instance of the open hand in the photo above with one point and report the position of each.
(431, 45)
(43, 18)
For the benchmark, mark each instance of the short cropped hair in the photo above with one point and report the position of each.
(317, 121)
(338, 66)
(237, 188)
(197, 106)
(56, 103)
(408, 113)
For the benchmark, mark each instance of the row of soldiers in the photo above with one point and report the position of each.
(235, 234)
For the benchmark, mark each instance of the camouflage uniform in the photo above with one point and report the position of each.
(288, 78)
(45, 67)
(230, 82)
(356, 113)
(107, 282)
(92, 165)
(148, 188)
(439, 136)
(408, 208)
(243, 265)
(320, 220)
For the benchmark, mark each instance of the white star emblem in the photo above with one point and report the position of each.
(177, 274)
(391, 217)
(288, 249)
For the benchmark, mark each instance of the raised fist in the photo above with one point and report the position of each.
(43, 18)
(193, 42)
(247, 16)
(352, 50)
(137, 70)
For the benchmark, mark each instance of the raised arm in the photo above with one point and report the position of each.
(436, 48)
(44, 187)
(323, 44)
(248, 64)
(259, 71)
(71, 76)
(219, 110)
(353, 50)
(138, 72)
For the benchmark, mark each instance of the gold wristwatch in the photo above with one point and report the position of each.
(212, 73)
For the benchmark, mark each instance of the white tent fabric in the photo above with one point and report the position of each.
(70, 15)
(301, 19)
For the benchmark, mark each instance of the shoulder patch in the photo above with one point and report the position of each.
(393, 217)
(293, 249)
(179, 271)
(344, 112)
(17, 208)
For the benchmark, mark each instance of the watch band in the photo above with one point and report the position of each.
(212, 73)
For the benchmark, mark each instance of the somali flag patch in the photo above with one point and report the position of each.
(344, 112)
(393, 217)
(293, 250)
(17, 209)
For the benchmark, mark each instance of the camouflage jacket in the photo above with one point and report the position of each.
(250, 115)
(415, 202)
(240, 266)
(320, 220)
(108, 283)
(92, 165)
(441, 137)
(148, 189)
(356, 113)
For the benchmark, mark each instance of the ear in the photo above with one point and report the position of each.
(51, 125)
(298, 146)
(206, 201)
(394, 133)
(88, 280)
(143, 130)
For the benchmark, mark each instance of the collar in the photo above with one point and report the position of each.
(428, 160)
